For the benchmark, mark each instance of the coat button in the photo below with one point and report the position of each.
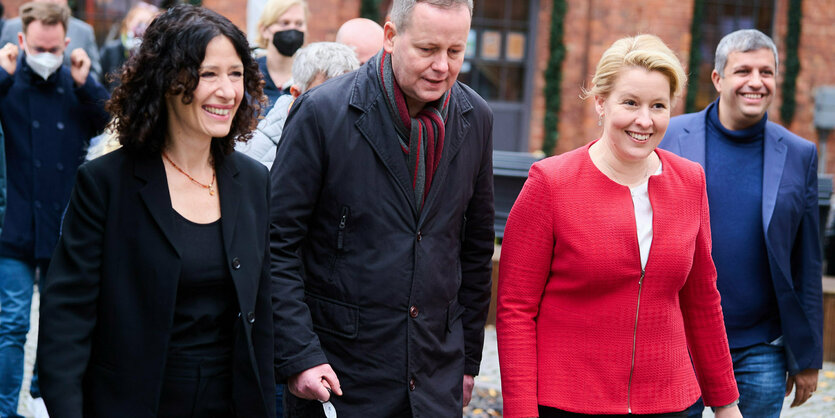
(60, 126)
(413, 311)
(412, 384)
(236, 263)
(250, 317)
(36, 124)
(419, 236)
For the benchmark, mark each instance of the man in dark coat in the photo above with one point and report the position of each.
(48, 111)
(382, 228)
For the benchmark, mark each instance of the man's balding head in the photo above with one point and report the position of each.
(364, 36)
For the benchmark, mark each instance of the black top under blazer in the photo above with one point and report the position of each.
(108, 303)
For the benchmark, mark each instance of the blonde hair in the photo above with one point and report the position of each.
(643, 51)
(272, 11)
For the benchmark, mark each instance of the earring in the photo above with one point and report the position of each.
(600, 120)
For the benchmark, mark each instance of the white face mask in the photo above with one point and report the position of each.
(43, 64)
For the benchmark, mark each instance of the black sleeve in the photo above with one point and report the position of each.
(68, 302)
(296, 178)
(477, 254)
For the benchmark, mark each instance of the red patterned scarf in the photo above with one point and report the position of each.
(422, 137)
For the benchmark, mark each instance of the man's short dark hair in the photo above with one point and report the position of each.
(168, 63)
(47, 13)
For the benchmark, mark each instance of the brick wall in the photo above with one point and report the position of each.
(817, 58)
(12, 7)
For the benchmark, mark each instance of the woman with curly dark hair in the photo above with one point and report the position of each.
(158, 296)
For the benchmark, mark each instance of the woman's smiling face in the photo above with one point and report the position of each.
(216, 98)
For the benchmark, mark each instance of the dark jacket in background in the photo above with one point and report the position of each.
(113, 55)
(108, 306)
(47, 125)
(394, 298)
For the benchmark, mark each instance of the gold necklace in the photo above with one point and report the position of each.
(210, 186)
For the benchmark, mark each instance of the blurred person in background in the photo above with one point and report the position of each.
(48, 111)
(282, 28)
(157, 302)
(115, 52)
(313, 65)
(606, 277)
(79, 32)
(364, 36)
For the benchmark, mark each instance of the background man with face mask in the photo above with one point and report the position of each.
(80, 33)
(48, 110)
(382, 228)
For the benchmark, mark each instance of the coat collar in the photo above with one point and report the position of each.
(377, 128)
(157, 199)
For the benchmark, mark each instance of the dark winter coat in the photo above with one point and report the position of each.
(47, 125)
(394, 298)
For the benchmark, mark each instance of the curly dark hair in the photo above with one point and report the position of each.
(167, 62)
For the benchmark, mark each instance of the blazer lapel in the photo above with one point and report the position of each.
(692, 143)
(774, 159)
(457, 127)
(376, 126)
(230, 197)
(155, 195)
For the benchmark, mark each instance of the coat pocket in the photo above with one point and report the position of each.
(333, 317)
(344, 216)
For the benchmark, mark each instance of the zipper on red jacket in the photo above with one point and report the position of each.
(634, 338)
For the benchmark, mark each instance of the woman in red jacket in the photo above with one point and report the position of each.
(606, 277)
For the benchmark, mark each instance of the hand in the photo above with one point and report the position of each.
(8, 57)
(729, 412)
(314, 383)
(807, 383)
(469, 382)
(79, 66)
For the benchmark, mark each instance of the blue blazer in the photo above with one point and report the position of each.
(790, 221)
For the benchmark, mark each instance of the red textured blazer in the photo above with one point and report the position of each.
(580, 326)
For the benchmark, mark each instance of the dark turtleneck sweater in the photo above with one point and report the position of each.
(734, 170)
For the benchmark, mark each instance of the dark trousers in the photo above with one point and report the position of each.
(197, 388)
(548, 412)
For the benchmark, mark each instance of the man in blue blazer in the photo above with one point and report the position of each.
(762, 189)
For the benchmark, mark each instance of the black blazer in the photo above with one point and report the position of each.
(108, 303)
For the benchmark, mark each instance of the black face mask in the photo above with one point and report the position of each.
(287, 42)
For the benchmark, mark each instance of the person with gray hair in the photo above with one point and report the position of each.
(319, 62)
(762, 188)
(312, 65)
(382, 228)
(743, 40)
